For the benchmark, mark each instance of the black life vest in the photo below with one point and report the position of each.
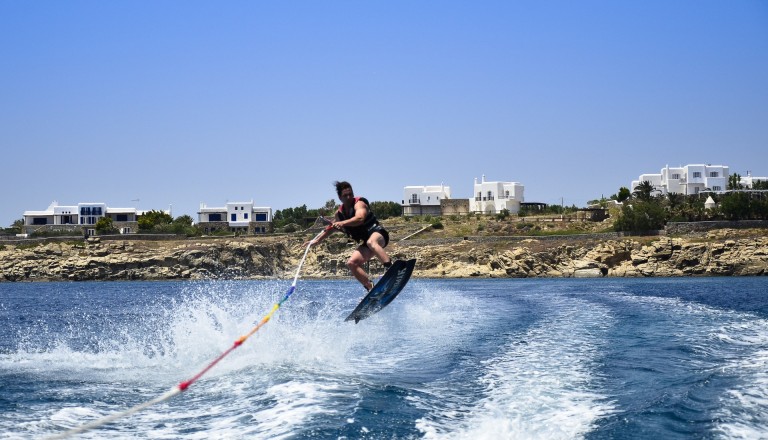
(360, 232)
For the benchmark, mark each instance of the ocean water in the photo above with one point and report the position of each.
(449, 359)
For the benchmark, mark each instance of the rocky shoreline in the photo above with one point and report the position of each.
(722, 252)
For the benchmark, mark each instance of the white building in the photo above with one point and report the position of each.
(493, 197)
(235, 217)
(82, 216)
(749, 181)
(424, 200)
(690, 179)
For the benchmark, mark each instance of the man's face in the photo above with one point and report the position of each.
(347, 196)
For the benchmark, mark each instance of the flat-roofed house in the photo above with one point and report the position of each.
(493, 197)
(126, 220)
(79, 219)
(690, 179)
(241, 217)
(424, 200)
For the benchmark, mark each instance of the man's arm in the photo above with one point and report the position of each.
(361, 210)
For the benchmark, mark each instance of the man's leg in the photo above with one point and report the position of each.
(376, 245)
(356, 262)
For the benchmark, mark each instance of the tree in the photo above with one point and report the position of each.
(736, 206)
(329, 208)
(17, 226)
(290, 215)
(385, 210)
(674, 203)
(183, 220)
(183, 225)
(644, 191)
(150, 220)
(641, 216)
(623, 194)
(105, 226)
(734, 181)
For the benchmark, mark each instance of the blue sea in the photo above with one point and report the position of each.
(449, 359)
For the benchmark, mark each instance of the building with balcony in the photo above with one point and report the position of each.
(235, 217)
(690, 179)
(424, 200)
(80, 218)
(493, 197)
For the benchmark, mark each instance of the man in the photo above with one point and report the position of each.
(355, 218)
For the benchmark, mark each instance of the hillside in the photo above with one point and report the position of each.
(475, 247)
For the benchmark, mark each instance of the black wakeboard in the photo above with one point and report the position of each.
(388, 287)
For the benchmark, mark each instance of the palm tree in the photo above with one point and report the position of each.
(644, 191)
(734, 181)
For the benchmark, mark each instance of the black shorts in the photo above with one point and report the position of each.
(364, 235)
(380, 229)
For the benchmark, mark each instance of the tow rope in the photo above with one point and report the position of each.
(183, 386)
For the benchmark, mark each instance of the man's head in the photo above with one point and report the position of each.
(344, 191)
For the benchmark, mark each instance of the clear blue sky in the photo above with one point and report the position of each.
(182, 102)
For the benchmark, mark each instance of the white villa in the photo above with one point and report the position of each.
(235, 217)
(80, 217)
(690, 179)
(749, 180)
(424, 200)
(490, 198)
(493, 197)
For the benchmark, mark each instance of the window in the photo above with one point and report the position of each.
(245, 215)
(713, 174)
(39, 221)
(717, 188)
(214, 217)
(676, 176)
(233, 217)
(696, 174)
(261, 216)
(121, 217)
(414, 198)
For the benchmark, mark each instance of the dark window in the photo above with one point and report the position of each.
(121, 217)
(39, 221)
(261, 216)
(245, 215)
(214, 217)
(234, 217)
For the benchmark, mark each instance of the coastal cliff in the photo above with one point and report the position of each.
(723, 252)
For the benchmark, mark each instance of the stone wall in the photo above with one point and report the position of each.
(454, 206)
(681, 228)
